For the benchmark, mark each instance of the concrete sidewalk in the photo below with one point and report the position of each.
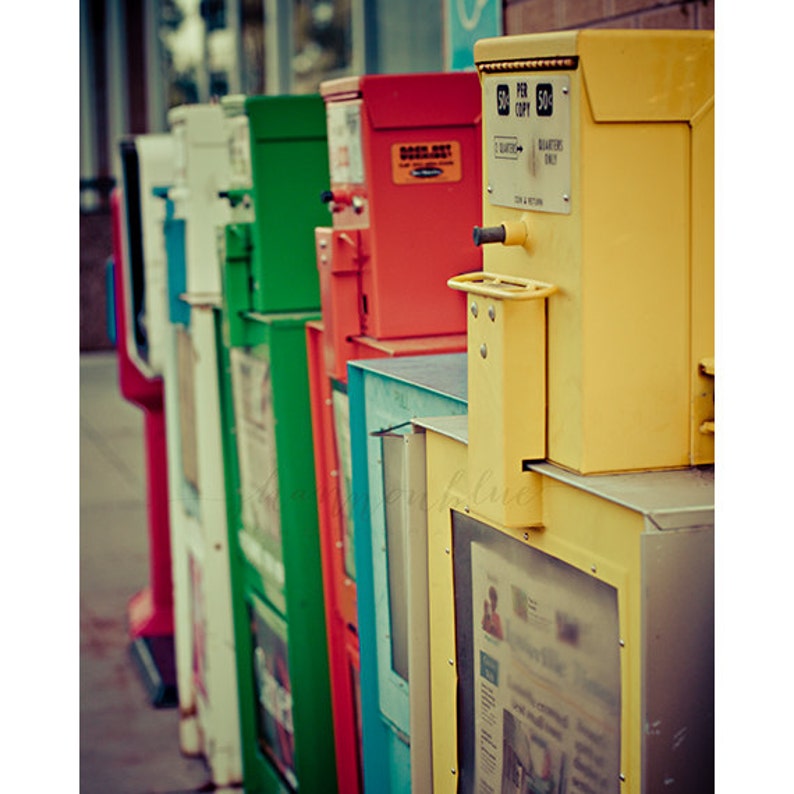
(126, 745)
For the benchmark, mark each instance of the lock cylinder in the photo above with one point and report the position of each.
(339, 199)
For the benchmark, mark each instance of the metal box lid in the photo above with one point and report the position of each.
(284, 118)
(631, 75)
(411, 100)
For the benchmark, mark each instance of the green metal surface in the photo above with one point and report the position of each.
(295, 604)
(289, 159)
(270, 292)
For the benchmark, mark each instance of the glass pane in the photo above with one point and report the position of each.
(395, 498)
(221, 46)
(256, 444)
(182, 51)
(322, 43)
(406, 36)
(341, 408)
(252, 46)
(186, 359)
(272, 680)
(198, 46)
(539, 668)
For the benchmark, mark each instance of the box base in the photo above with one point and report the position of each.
(154, 658)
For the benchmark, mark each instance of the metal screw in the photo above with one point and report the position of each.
(474, 309)
(526, 536)
(593, 568)
(621, 643)
(566, 197)
(450, 661)
(622, 777)
(565, 89)
(453, 771)
(484, 350)
(323, 243)
(492, 313)
(465, 508)
(446, 550)
(489, 188)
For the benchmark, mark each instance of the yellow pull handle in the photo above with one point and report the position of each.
(503, 287)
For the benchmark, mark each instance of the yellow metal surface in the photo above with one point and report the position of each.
(702, 343)
(603, 538)
(447, 488)
(507, 406)
(596, 536)
(633, 256)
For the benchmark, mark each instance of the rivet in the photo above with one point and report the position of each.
(484, 350)
(446, 550)
(526, 536)
(566, 197)
(450, 661)
(489, 188)
(622, 777)
(492, 313)
(593, 568)
(474, 309)
(323, 243)
(565, 89)
(621, 643)
(453, 771)
(465, 508)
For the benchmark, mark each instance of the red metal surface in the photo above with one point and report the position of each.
(383, 269)
(338, 589)
(414, 235)
(150, 611)
(338, 604)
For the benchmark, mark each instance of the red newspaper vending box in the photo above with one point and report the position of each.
(150, 611)
(406, 186)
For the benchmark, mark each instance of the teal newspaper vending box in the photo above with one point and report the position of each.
(391, 562)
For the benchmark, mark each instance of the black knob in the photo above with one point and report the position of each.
(489, 234)
(326, 196)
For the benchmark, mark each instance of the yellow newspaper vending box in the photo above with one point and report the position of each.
(570, 514)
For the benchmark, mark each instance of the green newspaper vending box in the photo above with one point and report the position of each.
(270, 291)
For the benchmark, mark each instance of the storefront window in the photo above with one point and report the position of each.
(252, 47)
(198, 42)
(322, 35)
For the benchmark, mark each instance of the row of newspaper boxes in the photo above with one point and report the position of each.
(427, 369)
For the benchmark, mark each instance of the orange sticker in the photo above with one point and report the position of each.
(427, 163)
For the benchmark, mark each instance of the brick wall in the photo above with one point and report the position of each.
(537, 16)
